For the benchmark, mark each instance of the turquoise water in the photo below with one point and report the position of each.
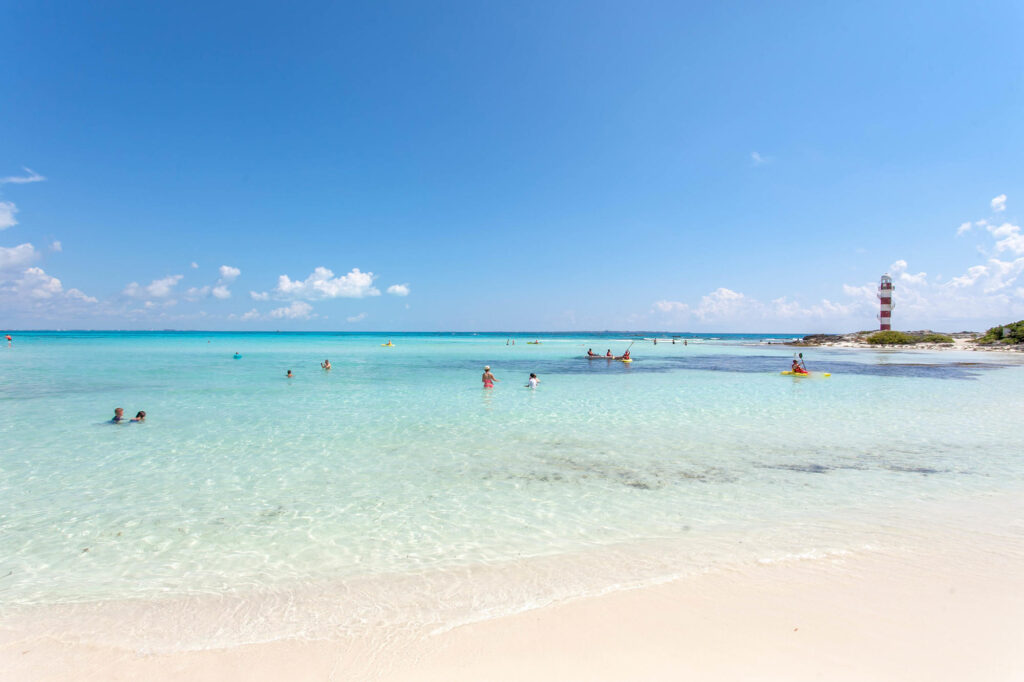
(396, 466)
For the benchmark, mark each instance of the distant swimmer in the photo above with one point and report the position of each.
(140, 416)
(118, 415)
(289, 375)
(326, 364)
(655, 342)
(488, 378)
(532, 383)
(9, 340)
(237, 355)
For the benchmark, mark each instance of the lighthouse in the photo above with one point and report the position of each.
(885, 303)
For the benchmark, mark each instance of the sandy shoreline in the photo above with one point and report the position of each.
(954, 611)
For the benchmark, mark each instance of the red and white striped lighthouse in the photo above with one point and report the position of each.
(885, 299)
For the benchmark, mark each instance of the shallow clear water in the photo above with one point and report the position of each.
(397, 465)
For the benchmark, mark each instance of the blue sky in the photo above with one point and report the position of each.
(530, 166)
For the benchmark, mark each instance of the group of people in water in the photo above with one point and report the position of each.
(592, 354)
(489, 379)
(119, 417)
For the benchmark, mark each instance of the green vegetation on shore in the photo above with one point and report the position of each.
(1011, 333)
(935, 337)
(891, 338)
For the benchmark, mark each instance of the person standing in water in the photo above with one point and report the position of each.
(532, 383)
(326, 364)
(488, 378)
(118, 415)
(289, 375)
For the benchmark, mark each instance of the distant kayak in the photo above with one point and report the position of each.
(388, 345)
(790, 373)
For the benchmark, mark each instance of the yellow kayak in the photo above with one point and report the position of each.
(790, 373)
(388, 345)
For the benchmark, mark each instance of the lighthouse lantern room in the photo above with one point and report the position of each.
(885, 302)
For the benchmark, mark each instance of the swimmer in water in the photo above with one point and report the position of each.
(290, 375)
(532, 383)
(326, 364)
(488, 378)
(118, 415)
(140, 416)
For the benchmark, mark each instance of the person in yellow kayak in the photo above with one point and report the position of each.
(797, 368)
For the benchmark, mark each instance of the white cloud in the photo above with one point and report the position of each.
(220, 289)
(298, 310)
(158, 288)
(999, 203)
(7, 211)
(671, 306)
(898, 267)
(722, 303)
(34, 290)
(259, 296)
(399, 289)
(964, 227)
(23, 179)
(323, 284)
(756, 159)
(251, 315)
(56, 247)
(228, 274)
(866, 291)
(17, 256)
(1009, 237)
(194, 265)
(919, 278)
(356, 318)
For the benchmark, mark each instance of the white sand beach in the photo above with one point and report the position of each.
(954, 612)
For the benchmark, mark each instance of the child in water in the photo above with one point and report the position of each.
(118, 415)
(532, 383)
(140, 416)
(289, 375)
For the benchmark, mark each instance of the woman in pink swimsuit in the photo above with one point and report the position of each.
(488, 378)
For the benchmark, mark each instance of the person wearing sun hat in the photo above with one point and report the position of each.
(488, 378)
